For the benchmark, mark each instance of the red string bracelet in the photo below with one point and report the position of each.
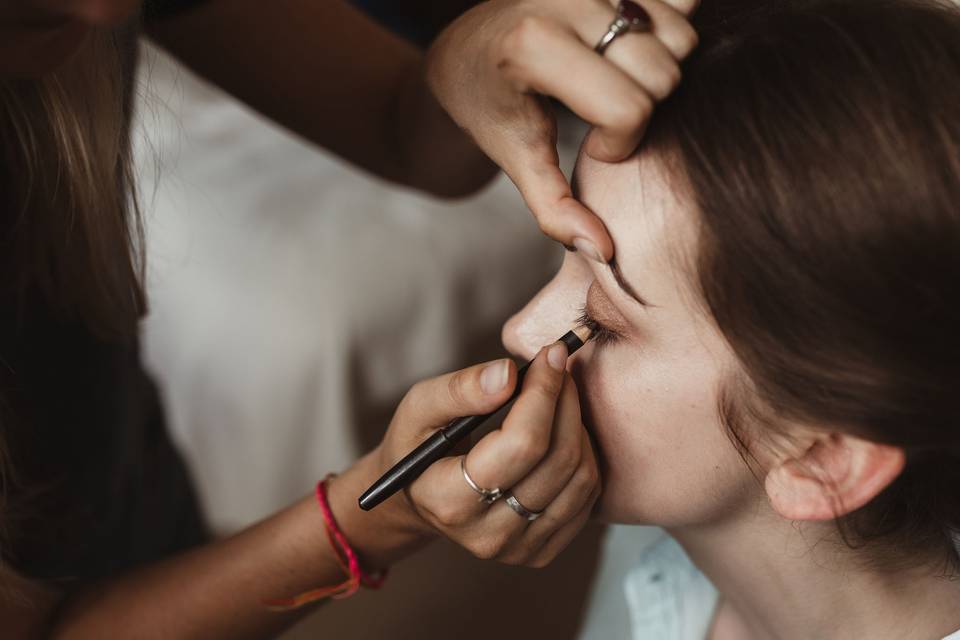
(346, 558)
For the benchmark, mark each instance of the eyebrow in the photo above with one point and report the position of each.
(624, 285)
(614, 267)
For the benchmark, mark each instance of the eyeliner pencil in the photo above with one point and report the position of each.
(440, 443)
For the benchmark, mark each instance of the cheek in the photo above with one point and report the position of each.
(666, 458)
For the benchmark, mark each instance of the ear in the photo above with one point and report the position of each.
(835, 475)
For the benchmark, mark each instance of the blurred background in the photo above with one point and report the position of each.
(294, 301)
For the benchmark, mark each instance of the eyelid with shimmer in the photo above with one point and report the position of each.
(599, 332)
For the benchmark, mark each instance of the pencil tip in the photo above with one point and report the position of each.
(582, 332)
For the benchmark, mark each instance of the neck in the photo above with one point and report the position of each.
(783, 581)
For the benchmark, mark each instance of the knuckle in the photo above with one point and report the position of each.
(448, 515)
(568, 458)
(456, 389)
(595, 494)
(529, 448)
(685, 40)
(548, 386)
(548, 224)
(412, 399)
(687, 6)
(526, 36)
(417, 391)
(669, 80)
(661, 85)
(586, 479)
(485, 548)
(629, 113)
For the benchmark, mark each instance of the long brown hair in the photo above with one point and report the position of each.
(65, 182)
(69, 224)
(821, 143)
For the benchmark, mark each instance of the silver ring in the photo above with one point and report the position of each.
(630, 17)
(521, 510)
(486, 495)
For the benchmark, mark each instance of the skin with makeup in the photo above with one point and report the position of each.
(759, 523)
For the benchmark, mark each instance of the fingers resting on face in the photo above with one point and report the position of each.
(541, 454)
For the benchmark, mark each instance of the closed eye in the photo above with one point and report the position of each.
(599, 333)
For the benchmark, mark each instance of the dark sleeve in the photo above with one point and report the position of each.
(159, 9)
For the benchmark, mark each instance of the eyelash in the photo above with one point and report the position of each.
(599, 333)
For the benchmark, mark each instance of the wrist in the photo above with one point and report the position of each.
(382, 535)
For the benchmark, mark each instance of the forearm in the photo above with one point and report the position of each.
(218, 590)
(436, 155)
(328, 73)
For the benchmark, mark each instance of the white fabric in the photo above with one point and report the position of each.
(668, 597)
(647, 589)
(608, 615)
(294, 300)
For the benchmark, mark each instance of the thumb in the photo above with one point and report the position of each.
(476, 390)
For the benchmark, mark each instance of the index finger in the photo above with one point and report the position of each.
(505, 456)
(559, 214)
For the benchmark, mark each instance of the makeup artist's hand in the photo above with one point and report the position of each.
(492, 68)
(541, 453)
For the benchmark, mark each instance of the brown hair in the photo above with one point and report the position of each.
(67, 242)
(66, 183)
(821, 143)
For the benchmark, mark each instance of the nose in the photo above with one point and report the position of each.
(552, 312)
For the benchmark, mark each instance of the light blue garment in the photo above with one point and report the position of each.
(647, 589)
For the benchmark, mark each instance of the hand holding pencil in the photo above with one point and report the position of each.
(540, 462)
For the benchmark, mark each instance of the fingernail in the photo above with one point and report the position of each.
(588, 249)
(557, 356)
(494, 377)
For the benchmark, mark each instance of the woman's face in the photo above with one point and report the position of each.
(37, 36)
(649, 395)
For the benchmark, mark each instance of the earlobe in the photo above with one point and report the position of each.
(837, 474)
